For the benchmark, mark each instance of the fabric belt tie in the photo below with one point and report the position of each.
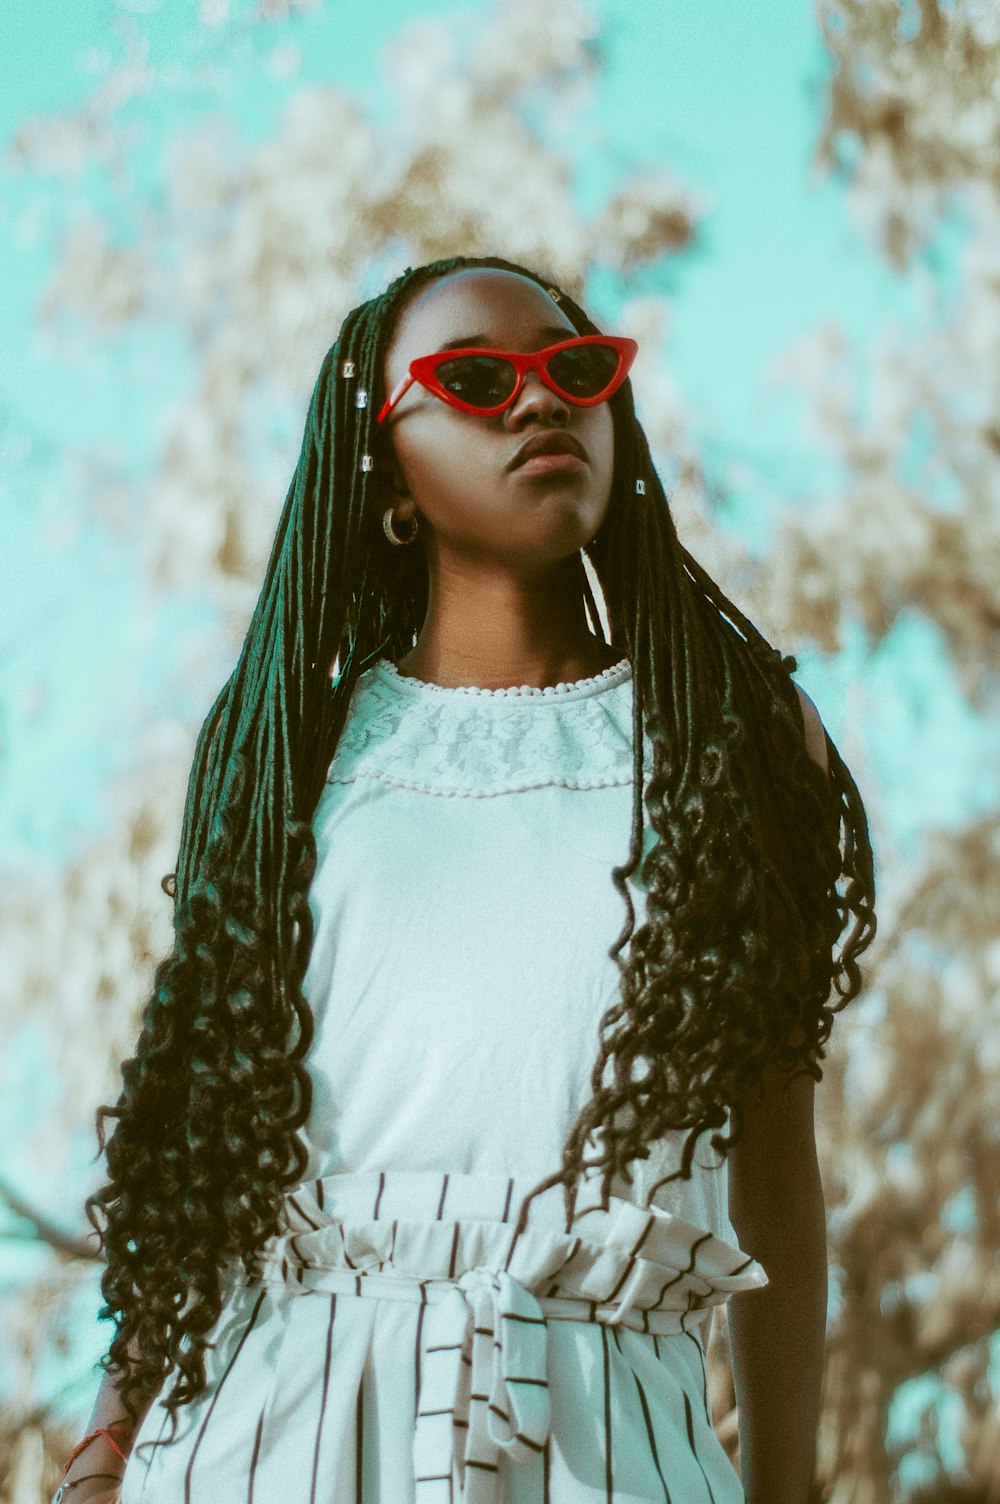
(484, 1355)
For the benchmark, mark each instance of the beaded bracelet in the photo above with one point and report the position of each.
(64, 1488)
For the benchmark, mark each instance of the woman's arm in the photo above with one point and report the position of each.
(99, 1456)
(777, 1335)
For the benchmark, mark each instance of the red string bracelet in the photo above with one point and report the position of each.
(101, 1431)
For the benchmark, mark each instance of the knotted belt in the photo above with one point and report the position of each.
(485, 1370)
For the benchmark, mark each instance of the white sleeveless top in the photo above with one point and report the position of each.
(464, 910)
(401, 1339)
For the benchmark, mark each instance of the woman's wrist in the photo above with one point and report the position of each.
(87, 1486)
(98, 1461)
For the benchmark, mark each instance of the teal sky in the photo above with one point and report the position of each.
(727, 97)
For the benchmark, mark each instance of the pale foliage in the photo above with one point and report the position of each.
(925, 111)
(915, 527)
(254, 255)
(917, 86)
(74, 960)
(909, 1135)
(881, 545)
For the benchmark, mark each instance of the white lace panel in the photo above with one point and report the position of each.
(478, 742)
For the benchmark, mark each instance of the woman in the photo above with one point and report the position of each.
(372, 1259)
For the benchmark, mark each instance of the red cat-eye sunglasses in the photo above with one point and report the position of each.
(585, 370)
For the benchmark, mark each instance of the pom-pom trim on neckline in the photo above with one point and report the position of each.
(617, 673)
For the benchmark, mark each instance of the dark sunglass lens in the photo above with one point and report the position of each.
(584, 370)
(478, 379)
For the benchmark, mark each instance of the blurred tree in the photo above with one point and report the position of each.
(910, 1151)
(253, 255)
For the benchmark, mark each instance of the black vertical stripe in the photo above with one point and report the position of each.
(547, 1472)
(343, 1247)
(629, 1262)
(648, 1420)
(322, 1402)
(416, 1351)
(691, 1268)
(609, 1471)
(689, 1422)
(515, 1238)
(692, 1337)
(359, 1442)
(256, 1454)
(229, 1368)
(378, 1198)
(303, 1261)
(694, 1252)
(553, 1289)
(303, 1214)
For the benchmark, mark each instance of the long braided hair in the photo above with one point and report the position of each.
(730, 973)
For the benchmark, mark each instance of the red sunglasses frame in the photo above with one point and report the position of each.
(424, 370)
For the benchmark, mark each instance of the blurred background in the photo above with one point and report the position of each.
(796, 211)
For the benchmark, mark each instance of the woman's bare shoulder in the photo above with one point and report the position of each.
(814, 729)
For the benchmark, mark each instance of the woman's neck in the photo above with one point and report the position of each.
(499, 671)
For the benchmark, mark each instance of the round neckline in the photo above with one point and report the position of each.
(608, 678)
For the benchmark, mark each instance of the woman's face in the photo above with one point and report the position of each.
(452, 468)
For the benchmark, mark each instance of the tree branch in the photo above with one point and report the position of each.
(45, 1231)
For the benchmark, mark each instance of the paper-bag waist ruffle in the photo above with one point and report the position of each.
(411, 1235)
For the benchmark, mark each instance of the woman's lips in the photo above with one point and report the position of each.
(541, 463)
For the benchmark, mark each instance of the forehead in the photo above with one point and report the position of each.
(478, 304)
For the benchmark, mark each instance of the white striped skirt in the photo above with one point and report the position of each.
(401, 1343)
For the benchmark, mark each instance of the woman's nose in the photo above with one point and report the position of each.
(534, 394)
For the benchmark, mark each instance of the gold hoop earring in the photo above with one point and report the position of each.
(390, 532)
